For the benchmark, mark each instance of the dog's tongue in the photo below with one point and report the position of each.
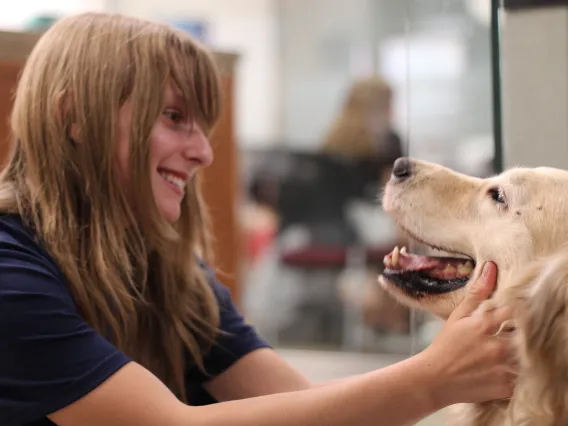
(438, 267)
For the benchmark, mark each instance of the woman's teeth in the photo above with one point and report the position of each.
(177, 181)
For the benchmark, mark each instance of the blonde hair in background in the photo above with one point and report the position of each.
(134, 277)
(364, 116)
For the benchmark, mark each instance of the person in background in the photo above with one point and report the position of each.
(363, 128)
(110, 313)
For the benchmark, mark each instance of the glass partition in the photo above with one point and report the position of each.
(419, 77)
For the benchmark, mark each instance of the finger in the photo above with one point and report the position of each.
(484, 285)
(478, 291)
(510, 383)
(506, 391)
(498, 322)
(513, 363)
(503, 317)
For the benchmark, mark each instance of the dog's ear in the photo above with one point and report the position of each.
(540, 298)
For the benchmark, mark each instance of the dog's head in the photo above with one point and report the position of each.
(510, 219)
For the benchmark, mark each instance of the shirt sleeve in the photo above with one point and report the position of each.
(49, 356)
(235, 339)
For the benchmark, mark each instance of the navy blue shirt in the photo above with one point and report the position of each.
(50, 357)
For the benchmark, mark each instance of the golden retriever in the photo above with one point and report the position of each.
(519, 220)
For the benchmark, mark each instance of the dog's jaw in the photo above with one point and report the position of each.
(441, 305)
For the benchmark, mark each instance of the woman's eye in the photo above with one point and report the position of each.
(497, 195)
(174, 116)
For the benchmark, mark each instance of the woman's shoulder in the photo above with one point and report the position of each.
(23, 256)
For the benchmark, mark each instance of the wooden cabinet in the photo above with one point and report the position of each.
(221, 187)
(8, 75)
(13, 49)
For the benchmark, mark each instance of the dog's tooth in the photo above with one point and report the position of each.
(387, 261)
(450, 269)
(462, 270)
(395, 254)
(465, 269)
(403, 250)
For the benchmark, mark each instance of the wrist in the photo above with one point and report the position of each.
(431, 383)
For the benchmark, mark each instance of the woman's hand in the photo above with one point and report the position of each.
(469, 362)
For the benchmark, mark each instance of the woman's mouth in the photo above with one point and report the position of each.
(174, 180)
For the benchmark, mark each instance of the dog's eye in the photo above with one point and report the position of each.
(497, 195)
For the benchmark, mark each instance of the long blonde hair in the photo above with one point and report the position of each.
(364, 117)
(134, 279)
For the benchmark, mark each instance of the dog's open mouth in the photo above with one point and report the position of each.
(419, 275)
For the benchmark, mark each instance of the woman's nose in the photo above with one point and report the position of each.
(199, 149)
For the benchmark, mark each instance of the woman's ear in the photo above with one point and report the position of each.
(74, 133)
(65, 116)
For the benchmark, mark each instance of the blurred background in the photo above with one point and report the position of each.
(321, 97)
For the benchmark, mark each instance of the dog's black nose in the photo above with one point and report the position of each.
(402, 168)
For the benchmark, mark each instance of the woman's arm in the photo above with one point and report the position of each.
(464, 364)
(396, 395)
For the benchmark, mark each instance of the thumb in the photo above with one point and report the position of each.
(478, 291)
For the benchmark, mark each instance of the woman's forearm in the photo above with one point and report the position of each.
(400, 394)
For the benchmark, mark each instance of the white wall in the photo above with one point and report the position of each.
(247, 27)
(18, 13)
(535, 87)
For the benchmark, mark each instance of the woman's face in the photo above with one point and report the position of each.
(178, 148)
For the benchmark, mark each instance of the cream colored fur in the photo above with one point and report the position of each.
(527, 238)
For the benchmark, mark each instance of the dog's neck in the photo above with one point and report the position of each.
(492, 413)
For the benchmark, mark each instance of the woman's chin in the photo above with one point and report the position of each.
(170, 211)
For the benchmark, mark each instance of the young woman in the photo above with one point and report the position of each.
(109, 314)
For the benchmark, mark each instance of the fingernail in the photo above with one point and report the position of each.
(486, 269)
